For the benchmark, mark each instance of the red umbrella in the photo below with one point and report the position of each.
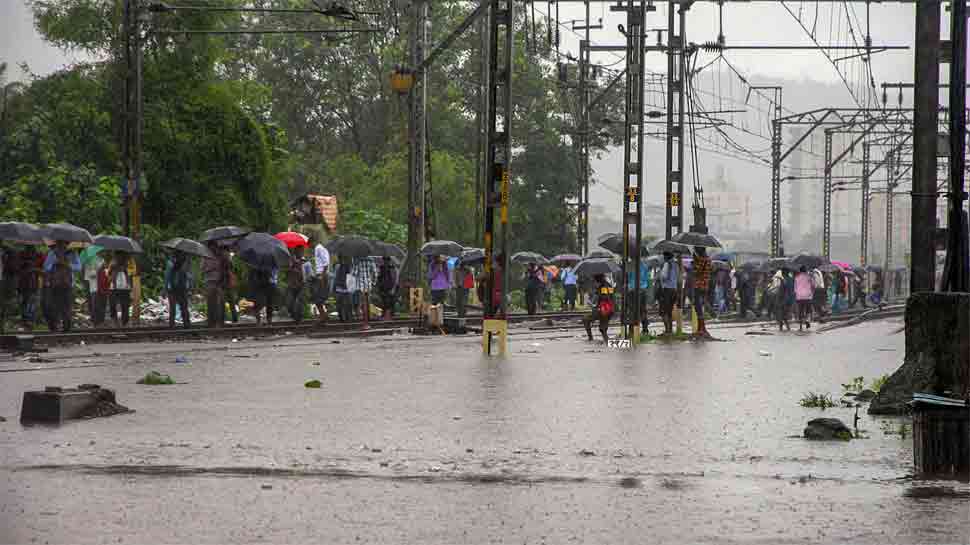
(293, 240)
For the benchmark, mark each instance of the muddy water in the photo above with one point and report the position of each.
(426, 441)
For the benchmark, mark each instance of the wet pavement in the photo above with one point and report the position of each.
(424, 440)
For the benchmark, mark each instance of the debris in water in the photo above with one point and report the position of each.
(315, 363)
(2, 419)
(155, 378)
(181, 359)
(764, 353)
(456, 417)
(267, 487)
(630, 482)
(587, 452)
(313, 383)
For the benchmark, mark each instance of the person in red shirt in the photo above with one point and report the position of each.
(466, 282)
(702, 279)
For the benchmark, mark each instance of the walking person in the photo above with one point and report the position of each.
(439, 280)
(59, 268)
(804, 295)
(603, 307)
(533, 288)
(569, 280)
(343, 285)
(120, 290)
(178, 285)
(387, 287)
(262, 287)
(214, 269)
(321, 282)
(702, 278)
(669, 282)
(29, 275)
(295, 279)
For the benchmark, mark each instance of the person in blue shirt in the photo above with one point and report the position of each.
(178, 286)
(60, 266)
(569, 281)
(669, 284)
(644, 289)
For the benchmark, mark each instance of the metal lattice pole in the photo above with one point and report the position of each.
(417, 102)
(827, 199)
(864, 240)
(676, 63)
(633, 168)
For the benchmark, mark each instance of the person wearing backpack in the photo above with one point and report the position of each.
(603, 308)
(120, 290)
(262, 287)
(294, 285)
(60, 266)
(178, 283)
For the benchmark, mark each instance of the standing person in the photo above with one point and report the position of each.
(178, 285)
(569, 280)
(8, 284)
(294, 285)
(669, 283)
(779, 289)
(387, 287)
(644, 289)
(91, 270)
(603, 307)
(59, 267)
(746, 293)
(818, 294)
(439, 280)
(28, 279)
(804, 294)
(702, 278)
(120, 289)
(533, 288)
(342, 284)
(365, 271)
(262, 287)
(858, 291)
(321, 283)
(465, 283)
(215, 280)
(232, 285)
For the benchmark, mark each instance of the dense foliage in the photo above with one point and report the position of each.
(238, 125)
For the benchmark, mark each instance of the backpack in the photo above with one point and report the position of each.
(387, 280)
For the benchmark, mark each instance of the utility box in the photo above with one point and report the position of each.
(54, 405)
(941, 436)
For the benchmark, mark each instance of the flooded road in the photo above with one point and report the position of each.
(424, 440)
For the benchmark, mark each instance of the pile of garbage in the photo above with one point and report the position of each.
(156, 310)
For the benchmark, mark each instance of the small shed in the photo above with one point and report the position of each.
(311, 209)
(941, 435)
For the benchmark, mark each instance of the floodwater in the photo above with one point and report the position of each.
(424, 440)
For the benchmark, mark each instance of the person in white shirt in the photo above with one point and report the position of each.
(321, 284)
(120, 289)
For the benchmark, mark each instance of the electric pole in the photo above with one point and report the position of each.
(864, 239)
(676, 72)
(131, 148)
(925, 119)
(956, 275)
(417, 135)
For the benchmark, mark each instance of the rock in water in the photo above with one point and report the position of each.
(827, 428)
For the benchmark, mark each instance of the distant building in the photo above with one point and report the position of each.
(728, 210)
(313, 209)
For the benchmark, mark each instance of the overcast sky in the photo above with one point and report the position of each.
(810, 81)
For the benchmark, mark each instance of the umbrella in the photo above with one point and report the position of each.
(442, 247)
(90, 253)
(842, 265)
(523, 258)
(472, 256)
(691, 238)
(188, 246)
(873, 268)
(65, 232)
(293, 239)
(353, 246)
(220, 233)
(117, 243)
(752, 265)
(809, 261)
(723, 256)
(614, 243)
(566, 258)
(776, 263)
(597, 265)
(671, 246)
(718, 265)
(653, 261)
(829, 268)
(20, 232)
(600, 254)
(263, 251)
(386, 249)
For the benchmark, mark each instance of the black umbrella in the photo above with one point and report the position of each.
(353, 246)
(600, 254)
(188, 246)
(263, 251)
(614, 243)
(829, 268)
(596, 265)
(65, 232)
(691, 238)
(472, 256)
(567, 258)
(809, 261)
(523, 258)
(653, 261)
(752, 265)
(22, 233)
(873, 268)
(777, 263)
(117, 243)
(671, 246)
(442, 247)
(222, 233)
(719, 265)
(386, 249)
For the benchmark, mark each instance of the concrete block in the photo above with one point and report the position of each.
(17, 343)
(55, 405)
